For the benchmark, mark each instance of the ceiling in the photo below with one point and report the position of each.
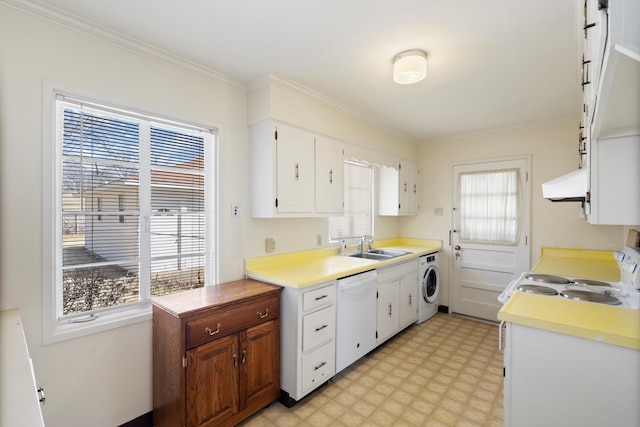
(492, 64)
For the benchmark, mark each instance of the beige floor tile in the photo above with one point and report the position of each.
(446, 372)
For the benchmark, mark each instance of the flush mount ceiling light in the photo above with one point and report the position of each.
(409, 67)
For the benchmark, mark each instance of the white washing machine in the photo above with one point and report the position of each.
(429, 287)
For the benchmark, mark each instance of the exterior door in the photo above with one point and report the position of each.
(489, 233)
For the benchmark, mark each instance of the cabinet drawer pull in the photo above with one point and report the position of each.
(321, 297)
(389, 310)
(319, 366)
(321, 327)
(212, 332)
(297, 174)
(262, 316)
(330, 176)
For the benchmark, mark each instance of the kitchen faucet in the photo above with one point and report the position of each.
(361, 244)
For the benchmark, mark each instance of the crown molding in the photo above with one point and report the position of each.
(76, 23)
(295, 87)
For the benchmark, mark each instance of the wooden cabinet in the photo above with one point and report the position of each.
(216, 357)
(397, 298)
(308, 352)
(398, 189)
(295, 173)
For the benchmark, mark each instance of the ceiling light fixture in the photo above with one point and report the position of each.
(409, 67)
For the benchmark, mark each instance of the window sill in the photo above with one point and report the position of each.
(62, 331)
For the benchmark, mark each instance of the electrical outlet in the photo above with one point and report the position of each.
(319, 240)
(235, 210)
(269, 245)
(438, 211)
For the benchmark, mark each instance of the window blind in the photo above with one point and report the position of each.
(357, 220)
(132, 207)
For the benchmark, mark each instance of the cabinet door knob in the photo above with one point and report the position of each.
(262, 316)
(212, 332)
(244, 356)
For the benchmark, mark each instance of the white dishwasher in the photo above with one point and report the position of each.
(356, 317)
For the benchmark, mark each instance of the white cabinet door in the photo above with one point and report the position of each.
(295, 170)
(398, 189)
(329, 176)
(408, 299)
(388, 313)
(411, 207)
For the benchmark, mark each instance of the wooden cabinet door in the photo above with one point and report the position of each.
(212, 382)
(295, 165)
(260, 365)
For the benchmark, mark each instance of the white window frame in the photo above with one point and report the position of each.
(53, 329)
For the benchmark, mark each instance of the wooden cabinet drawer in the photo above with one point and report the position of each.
(318, 327)
(227, 321)
(318, 297)
(318, 366)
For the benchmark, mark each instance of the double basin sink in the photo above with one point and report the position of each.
(379, 254)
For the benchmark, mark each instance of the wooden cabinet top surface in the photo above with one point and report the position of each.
(191, 301)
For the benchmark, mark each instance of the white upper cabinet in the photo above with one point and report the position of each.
(329, 176)
(398, 189)
(611, 113)
(294, 172)
(617, 100)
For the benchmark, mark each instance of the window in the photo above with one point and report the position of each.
(358, 207)
(129, 218)
(490, 207)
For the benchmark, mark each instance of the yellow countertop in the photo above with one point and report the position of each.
(601, 322)
(308, 268)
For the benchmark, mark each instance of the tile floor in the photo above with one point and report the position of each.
(446, 371)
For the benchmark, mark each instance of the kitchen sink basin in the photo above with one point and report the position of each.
(378, 254)
(387, 252)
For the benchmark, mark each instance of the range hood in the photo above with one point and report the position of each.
(571, 187)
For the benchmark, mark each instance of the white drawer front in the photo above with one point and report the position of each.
(318, 367)
(318, 327)
(319, 297)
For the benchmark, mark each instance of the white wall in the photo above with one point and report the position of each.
(105, 379)
(554, 150)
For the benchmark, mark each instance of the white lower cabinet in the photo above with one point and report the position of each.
(557, 380)
(397, 298)
(318, 367)
(307, 340)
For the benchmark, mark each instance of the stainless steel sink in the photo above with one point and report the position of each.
(387, 252)
(379, 254)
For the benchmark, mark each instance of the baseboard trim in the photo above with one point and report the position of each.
(144, 420)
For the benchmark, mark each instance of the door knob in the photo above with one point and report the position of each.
(457, 247)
